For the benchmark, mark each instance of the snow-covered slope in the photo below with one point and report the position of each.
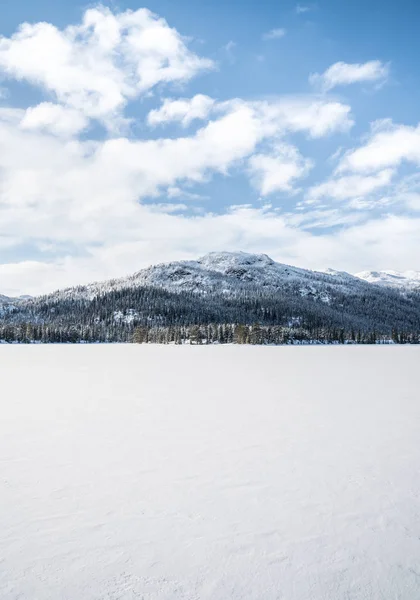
(407, 280)
(238, 267)
(226, 272)
(7, 303)
(226, 269)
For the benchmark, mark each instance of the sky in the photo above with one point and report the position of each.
(132, 134)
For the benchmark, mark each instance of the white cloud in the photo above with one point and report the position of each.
(391, 240)
(99, 65)
(324, 218)
(167, 208)
(176, 192)
(412, 201)
(67, 185)
(274, 34)
(278, 115)
(278, 170)
(317, 117)
(406, 193)
(184, 110)
(342, 73)
(388, 146)
(351, 186)
(54, 118)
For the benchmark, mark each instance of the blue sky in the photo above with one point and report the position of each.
(131, 136)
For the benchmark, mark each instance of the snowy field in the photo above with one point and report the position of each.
(209, 473)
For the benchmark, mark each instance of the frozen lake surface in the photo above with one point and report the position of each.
(209, 473)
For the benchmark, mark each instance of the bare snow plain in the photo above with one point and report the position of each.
(197, 473)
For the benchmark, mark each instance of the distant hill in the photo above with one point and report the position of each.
(403, 280)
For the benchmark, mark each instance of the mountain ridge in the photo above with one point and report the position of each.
(260, 268)
(220, 289)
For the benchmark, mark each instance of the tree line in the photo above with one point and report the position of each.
(211, 333)
(257, 334)
(250, 315)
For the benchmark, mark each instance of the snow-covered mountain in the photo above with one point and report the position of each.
(405, 280)
(225, 272)
(219, 288)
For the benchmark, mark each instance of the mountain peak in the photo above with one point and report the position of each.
(222, 261)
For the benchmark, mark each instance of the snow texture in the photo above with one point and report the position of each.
(134, 472)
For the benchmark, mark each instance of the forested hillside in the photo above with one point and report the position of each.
(222, 298)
